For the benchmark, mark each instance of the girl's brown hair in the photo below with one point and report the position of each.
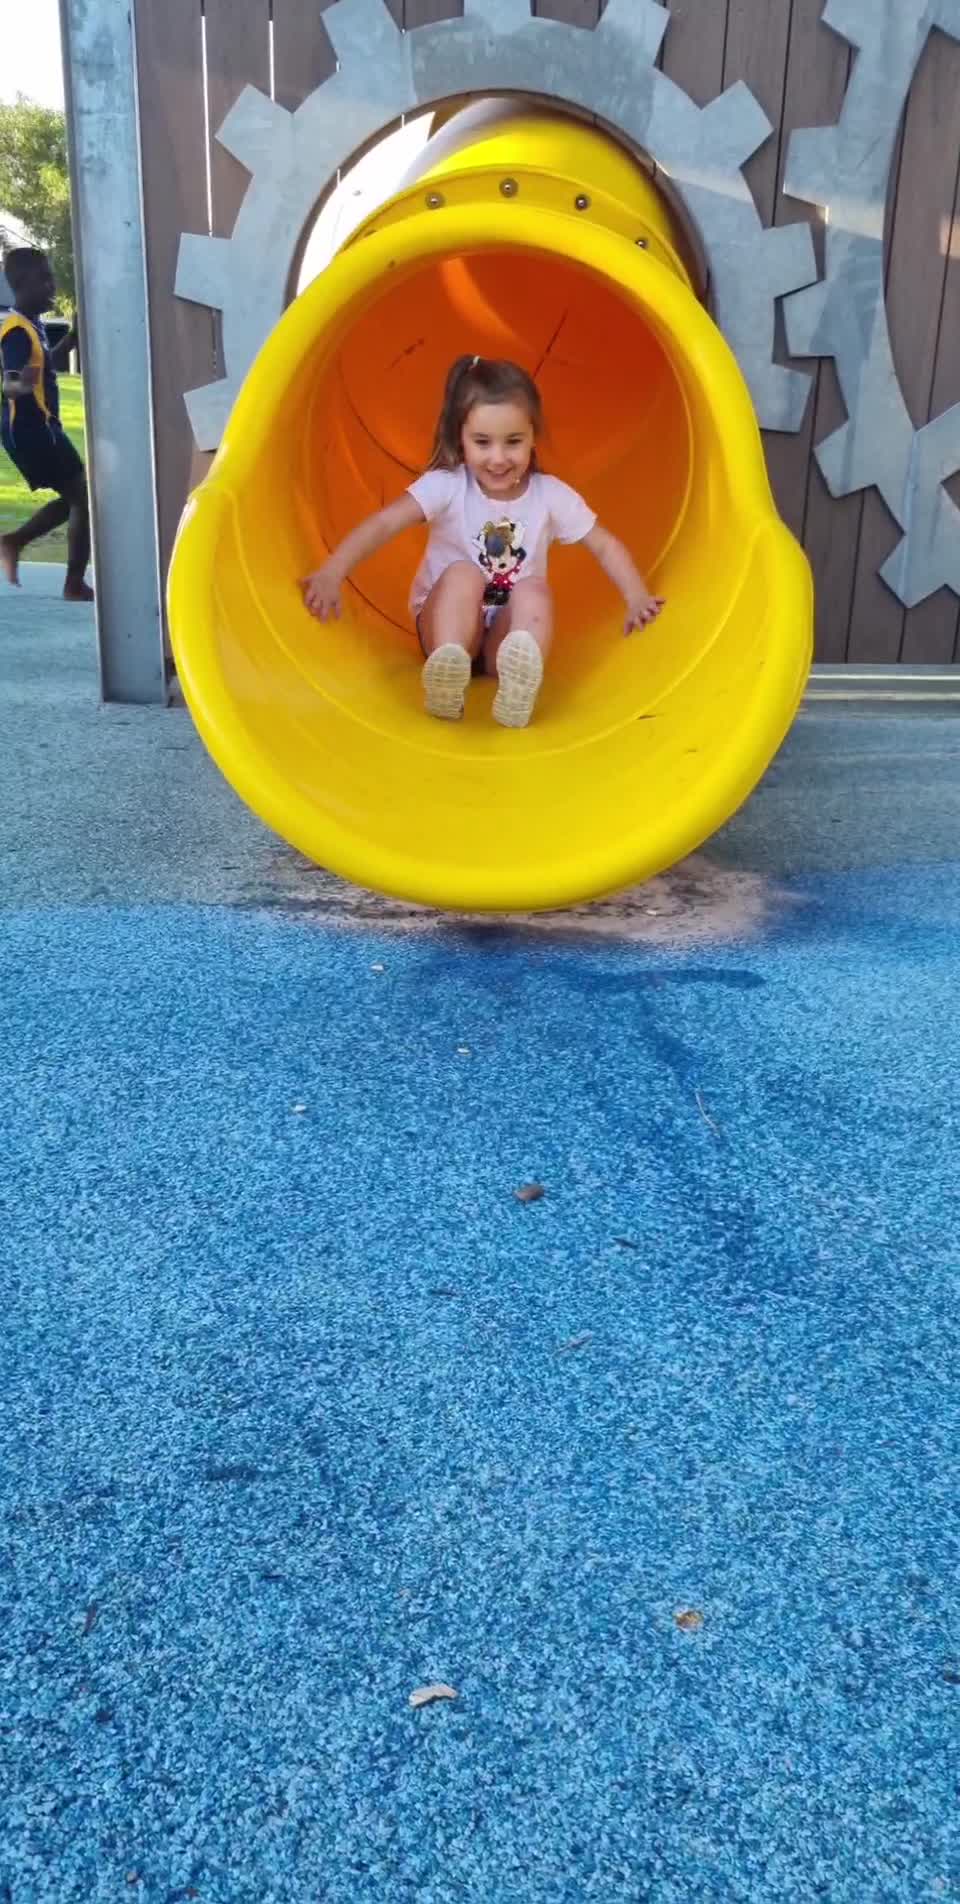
(474, 380)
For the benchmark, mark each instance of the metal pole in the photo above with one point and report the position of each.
(108, 227)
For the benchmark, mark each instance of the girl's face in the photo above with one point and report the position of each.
(498, 445)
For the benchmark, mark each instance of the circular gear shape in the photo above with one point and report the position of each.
(846, 170)
(610, 71)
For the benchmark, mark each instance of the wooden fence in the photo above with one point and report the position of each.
(796, 67)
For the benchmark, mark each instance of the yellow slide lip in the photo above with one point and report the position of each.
(641, 846)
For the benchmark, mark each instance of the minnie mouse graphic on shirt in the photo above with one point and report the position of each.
(501, 555)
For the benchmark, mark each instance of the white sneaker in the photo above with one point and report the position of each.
(446, 677)
(520, 668)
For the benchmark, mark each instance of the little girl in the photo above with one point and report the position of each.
(481, 593)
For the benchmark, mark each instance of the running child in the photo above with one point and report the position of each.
(30, 427)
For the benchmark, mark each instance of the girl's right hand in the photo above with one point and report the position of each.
(321, 592)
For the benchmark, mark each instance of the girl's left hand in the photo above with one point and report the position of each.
(642, 608)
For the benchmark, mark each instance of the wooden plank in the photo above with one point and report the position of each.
(694, 46)
(818, 67)
(303, 56)
(760, 58)
(876, 614)
(426, 12)
(761, 61)
(925, 195)
(926, 202)
(831, 531)
(572, 12)
(931, 631)
(173, 145)
(238, 55)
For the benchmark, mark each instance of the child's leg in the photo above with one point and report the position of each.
(76, 588)
(516, 649)
(453, 611)
(52, 516)
(450, 626)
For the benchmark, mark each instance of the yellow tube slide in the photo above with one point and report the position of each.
(535, 238)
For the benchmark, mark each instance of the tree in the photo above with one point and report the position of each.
(35, 183)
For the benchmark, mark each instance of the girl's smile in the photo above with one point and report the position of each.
(498, 444)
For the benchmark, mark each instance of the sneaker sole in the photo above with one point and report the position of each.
(520, 668)
(446, 677)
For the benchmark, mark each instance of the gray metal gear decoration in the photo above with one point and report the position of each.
(382, 73)
(846, 169)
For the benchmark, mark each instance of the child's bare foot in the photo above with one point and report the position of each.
(446, 678)
(10, 559)
(520, 667)
(77, 591)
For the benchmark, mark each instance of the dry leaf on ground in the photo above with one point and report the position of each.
(688, 1620)
(425, 1695)
(530, 1193)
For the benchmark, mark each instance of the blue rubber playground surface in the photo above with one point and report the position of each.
(303, 1409)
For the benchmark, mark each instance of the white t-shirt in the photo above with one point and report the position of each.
(509, 541)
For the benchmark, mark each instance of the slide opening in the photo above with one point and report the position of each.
(618, 423)
(641, 746)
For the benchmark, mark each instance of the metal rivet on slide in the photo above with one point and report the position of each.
(582, 202)
(509, 187)
(435, 200)
(644, 244)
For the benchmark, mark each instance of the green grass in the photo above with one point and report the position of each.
(17, 502)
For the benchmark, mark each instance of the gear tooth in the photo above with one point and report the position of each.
(804, 315)
(735, 126)
(811, 168)
(897, 572)
(790, 259)
(846, 17)
(204, 270)
(642, 21)
(836, 456)
(780, 397)
(208, 409)
(917, 570)
(256, 131)
(937, 451)
(359, 29)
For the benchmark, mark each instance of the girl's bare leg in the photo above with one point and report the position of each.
(515, 650)
(451, 633)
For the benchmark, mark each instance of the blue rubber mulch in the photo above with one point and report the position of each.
(302, 1409)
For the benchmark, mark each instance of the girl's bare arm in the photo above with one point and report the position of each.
(321, 590)
(617, 562)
